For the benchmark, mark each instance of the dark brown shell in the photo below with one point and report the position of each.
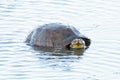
(55, 35)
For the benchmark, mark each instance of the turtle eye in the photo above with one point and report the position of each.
(74, 41)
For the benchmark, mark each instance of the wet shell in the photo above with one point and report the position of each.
(55, 35)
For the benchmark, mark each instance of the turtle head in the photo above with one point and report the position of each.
(77, 44)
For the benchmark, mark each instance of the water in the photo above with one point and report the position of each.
(97, 19)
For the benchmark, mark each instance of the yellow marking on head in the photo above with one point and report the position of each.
(77, 43)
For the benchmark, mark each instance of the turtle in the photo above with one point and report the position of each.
(58, 36)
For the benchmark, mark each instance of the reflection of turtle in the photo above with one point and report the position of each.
(57, 36)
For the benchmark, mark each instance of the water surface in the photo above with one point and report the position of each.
(97, 19)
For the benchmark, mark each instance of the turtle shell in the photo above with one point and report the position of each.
(55, 35)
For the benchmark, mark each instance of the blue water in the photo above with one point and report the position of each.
(97, 19)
